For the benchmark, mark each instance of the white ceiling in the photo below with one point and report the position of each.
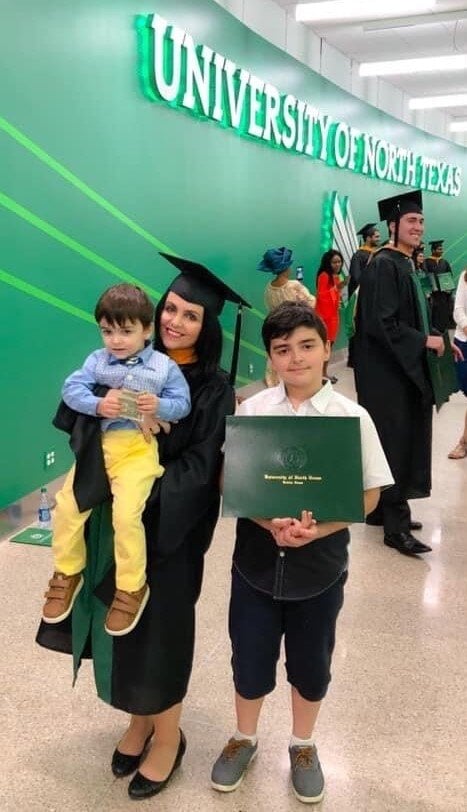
(445, 33)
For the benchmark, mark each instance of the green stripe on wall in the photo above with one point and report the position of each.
(65, 173)
(83, 187)
(54, 301)
(91, 256)
(74, 245)
(43, 296)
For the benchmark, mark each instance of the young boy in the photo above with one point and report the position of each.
(125, 316)
(288, 575)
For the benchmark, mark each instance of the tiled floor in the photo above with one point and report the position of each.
(392, 734)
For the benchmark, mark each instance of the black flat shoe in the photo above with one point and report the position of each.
(406, 544)
(123, 764)
(141, 787)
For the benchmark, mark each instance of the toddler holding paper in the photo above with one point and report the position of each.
(144, 385)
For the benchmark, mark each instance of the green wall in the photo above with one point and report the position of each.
(94, 178)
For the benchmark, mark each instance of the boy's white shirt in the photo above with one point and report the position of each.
(328, 403)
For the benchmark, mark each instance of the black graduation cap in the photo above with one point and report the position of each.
(366, 230)
(197, 284)
(435, 244)
(392, 208)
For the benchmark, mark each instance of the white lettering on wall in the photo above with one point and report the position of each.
(210, 85)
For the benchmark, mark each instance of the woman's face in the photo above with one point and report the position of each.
(336, 264)
(180, 323)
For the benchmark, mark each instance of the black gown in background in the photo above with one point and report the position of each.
(358, 262)
(148, 670)
(441, 301)
(391, 375)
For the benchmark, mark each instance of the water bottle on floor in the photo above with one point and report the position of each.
(299, 273)
(44, 516)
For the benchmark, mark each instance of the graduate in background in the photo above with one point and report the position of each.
(391, 374)
(370, 240)
(442, 303)
(418, 257)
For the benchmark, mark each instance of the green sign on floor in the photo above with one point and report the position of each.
(34, 535)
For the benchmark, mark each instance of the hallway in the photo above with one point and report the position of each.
(392, 732)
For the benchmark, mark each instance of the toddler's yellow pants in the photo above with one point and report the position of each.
(132, 465)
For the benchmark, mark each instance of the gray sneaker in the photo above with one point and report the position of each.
(232, 764)
(307, 776)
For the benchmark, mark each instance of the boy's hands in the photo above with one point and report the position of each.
(147, 403)
(109, 406)
(294, 532)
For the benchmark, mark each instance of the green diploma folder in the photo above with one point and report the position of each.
(445, 282)
(278, 466)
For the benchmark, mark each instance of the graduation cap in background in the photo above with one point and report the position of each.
(366, 230)
(197, 284)
(436, 244)
(393, 208)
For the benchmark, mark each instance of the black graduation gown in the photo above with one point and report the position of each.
(441, 301)
(391, 372)
(148, 670)
(358, 262)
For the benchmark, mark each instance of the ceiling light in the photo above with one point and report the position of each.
(458, 126)
(432, 102)
(421, 65)
(337, 10)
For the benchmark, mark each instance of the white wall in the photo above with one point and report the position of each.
(275, 24)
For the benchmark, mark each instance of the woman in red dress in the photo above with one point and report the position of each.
(328, 287)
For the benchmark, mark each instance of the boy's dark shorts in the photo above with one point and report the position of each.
(256, 625)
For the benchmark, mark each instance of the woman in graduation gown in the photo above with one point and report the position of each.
(146, 672)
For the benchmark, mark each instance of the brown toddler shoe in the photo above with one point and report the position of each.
(126, 610)
(60, 597)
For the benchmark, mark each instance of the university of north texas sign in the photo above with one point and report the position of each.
(194, 77)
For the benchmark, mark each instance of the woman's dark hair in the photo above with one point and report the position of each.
(208, 348)
(465, 274)
(415, 255)
(286, 317)
(326, 259)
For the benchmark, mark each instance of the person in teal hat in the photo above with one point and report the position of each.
(278, 262)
